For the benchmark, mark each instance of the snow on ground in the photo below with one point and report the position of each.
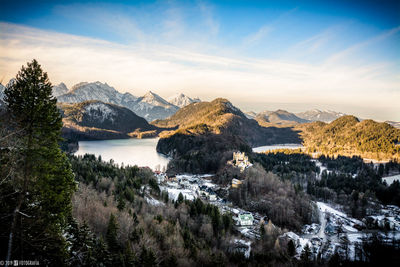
(173, 193)
(205, 175)
(350, 229)
(244, 243)
(210, 185)
(327, 209)
(153, 202)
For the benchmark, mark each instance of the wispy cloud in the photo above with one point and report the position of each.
(344, 54)
(108, 20)
(169, 69)
(256, 37)
(316, 42)
(208, 16)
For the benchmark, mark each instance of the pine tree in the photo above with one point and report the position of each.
(112, 232)
(42, 183)
(306, 255)
(291, 248)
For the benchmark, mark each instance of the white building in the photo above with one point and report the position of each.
(245, 219)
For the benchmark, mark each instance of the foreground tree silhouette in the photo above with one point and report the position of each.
(42, 182)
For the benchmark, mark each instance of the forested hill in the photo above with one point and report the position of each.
(221, 117)
(98, 120)
(208, 132)
(348, 136)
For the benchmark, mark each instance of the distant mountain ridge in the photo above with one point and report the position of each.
(98, 120)
(279, 117)
(318, 115)
(394, 123)
(150, 106)
(181, 100)
(60, 89)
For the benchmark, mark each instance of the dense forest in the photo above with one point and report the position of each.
(264, 192)
(349, 182)
(64, 210)
(205, 153)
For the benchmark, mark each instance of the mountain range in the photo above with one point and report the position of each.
(181, 100)
(278, 117)
(318, 115)
(150, 106)
(284, 118)
(94, 119)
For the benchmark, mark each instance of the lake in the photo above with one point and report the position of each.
(390, 179)
(141, 152)
(261, 149)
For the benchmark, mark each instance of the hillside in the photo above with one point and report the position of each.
(221, 117)
(98, 120)
(278, 117)
(208, 133)
(348, 136)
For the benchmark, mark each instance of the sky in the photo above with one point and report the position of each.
(261, 55)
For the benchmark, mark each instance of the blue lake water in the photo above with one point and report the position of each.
(141, 152)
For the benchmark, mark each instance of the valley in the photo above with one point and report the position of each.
(273, 181)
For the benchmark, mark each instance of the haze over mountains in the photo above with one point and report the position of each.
(318, 115)
(152, 107)
(280, 117)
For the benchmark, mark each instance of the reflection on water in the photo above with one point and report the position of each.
(141, 152)
(278, 146)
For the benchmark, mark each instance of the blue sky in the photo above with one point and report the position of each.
(296, 55)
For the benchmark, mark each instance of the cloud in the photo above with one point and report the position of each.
(170, 69)
(344, 54)
(207, 13)
(316, 42)
(258, 36)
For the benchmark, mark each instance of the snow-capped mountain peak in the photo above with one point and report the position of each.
(59, 89)
(150, 106)
(155, 100)
(85, 91)
(181, 100)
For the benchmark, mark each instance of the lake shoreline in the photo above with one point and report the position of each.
(129, 151)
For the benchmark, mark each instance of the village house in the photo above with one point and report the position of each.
(212, 197)
(245, 219)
